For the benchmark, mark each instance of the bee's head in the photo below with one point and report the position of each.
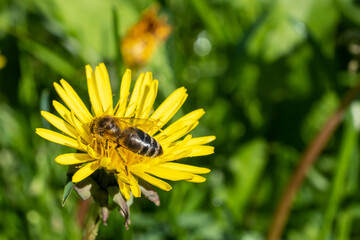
(101, 125)
(93, 127)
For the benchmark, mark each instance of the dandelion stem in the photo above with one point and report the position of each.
(82, 212)
(307, 160)
(92, 224)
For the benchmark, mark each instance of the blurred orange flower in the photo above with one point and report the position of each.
(144, 37)
(2, 61)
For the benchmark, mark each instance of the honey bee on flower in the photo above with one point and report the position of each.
(127, 141)
(118, 131)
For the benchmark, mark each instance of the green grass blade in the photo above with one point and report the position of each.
(349, 142)
(49, 57)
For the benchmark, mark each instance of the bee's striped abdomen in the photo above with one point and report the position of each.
(142, 143)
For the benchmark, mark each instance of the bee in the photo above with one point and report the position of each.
(124, 133)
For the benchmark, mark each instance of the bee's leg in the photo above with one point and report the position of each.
(107, 145)
(121, 157)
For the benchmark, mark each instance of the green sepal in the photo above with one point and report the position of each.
(67, 190)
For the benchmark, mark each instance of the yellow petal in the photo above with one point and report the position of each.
(124, 178)
(149, 100)
(167, 173)
(188, 147)
(187, 120)
(170, 106)
(81, 129)
(147, 80)
(192, 151)
(134, 186)
(73, 158)
(172, 156)
(154, 181)
(85, 171)
(63, 111)
(179, 145)
(70, 101)
(145, 89)
(185, 168)
(176, 149)
(93, 93)
(133, 103)
(124, 188)
(193, 116)
(58, 138)
(76, 99)
(124, 93)
(201, 151)
(200, 140)
(197, 179)
(104, 88)
(176, 134)
(60, 124)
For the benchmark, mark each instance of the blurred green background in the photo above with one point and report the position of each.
(268, 74)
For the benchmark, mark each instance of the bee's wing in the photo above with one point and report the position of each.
(147, 125)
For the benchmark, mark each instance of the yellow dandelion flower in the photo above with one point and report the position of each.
(128, 140)
(144, 37)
